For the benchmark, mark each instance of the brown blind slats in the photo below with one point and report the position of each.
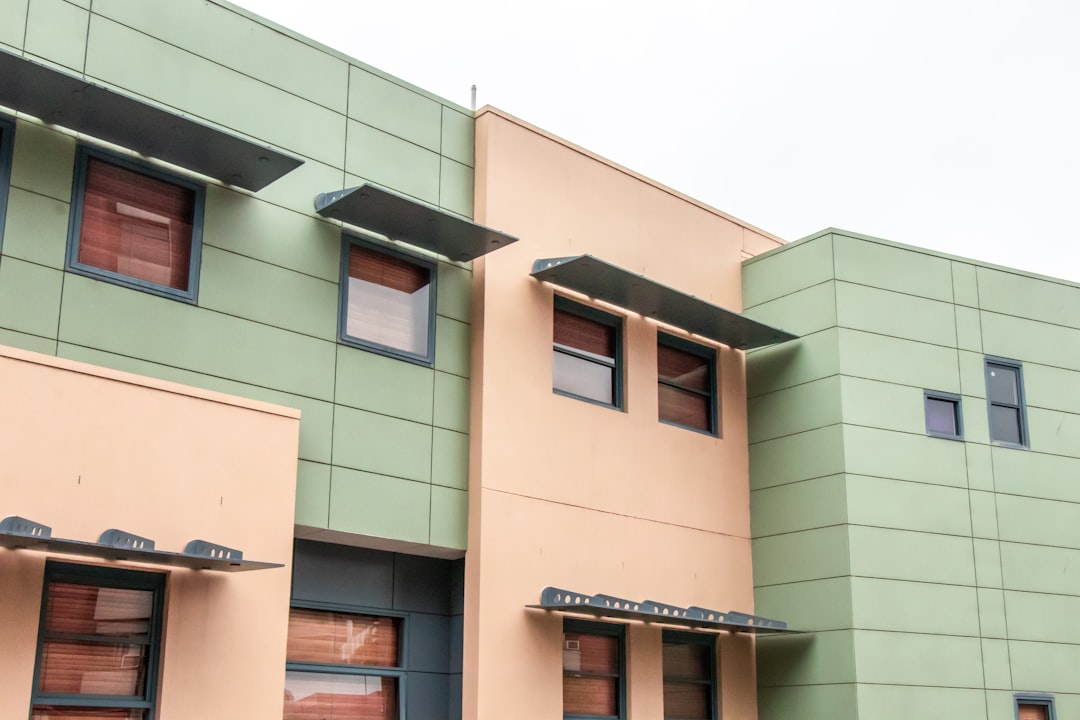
(590, 653)
(387, 270)
(584, 334)
(686, 701)
(684, 408)
(686, 369)
(92, 669)
(686, 661)
(585, 656)
(91, 610)
(342, 638)
(136, 225)
(352, 703)
(1033, 712)
(51, 712)
(590, 696)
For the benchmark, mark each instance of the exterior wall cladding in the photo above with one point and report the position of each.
(937, 577)
(940, 577)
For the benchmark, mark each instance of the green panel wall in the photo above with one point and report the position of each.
(952, 567)
(384, 443)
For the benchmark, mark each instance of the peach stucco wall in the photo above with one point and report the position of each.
(574, 495)
(86, 449)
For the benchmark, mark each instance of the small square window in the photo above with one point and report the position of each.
(586, 354)
(7, 142)
(686, 384)
(98, 642)
(135, 225)
(1034, 706)
(388, 302)
(593, 670)
(1005, 402)
(943, 417)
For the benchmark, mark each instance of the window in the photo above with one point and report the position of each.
(689, 676)
(7, 142)
(943, 415)
(593, 670)
(1005, 397)
(1035, 706)
(686, 375)
(587, 353)
(387, 302)
(98, 643)
(343, 666)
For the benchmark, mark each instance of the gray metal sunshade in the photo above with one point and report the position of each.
(78, 104)
(604, 281)
(607, 606)
(388, 213)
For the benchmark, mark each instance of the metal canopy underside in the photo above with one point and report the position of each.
(59, 98)
(604, 281)
(606, 606)
(398, 217)
(20, 534)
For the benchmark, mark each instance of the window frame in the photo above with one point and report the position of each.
(586, 627)
(347, 241)
(110, 577)
(83, 155)
(1020, 407)
(617, 366)
(7, 151)
(400, 672)
(690, 638)
(706, 353)
(957, 403)
(1044, 699)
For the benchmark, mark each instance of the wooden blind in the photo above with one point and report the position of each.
(1029, 711)
(387, 270)
(339, 638)
(591, 670)
(683, 368)
(584, 334)
(319, 696)
(56, 712)
(684, 392)
(136, 225)
(687, 681)
(684, 408)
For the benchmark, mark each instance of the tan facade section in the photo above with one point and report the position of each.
(589, 498)
(87, 449)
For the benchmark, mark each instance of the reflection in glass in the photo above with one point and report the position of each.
(1005, 424)
(326, 696)
(1002, 385)
(941, 416)
(389, 300)
(577, 376)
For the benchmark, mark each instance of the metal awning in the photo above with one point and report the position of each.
(18, 533)
(60, 98)
(607, 606)
(398, 217)
(604, 281)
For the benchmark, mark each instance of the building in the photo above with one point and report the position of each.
(914, 501)
(267, 439)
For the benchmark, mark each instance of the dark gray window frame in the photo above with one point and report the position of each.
(105, 576)
(82, 157)
(1044, 699)
(7, 147)
(400, 672)
(1021, 407)
(586, 627)
(428, 359)
(708, 640)
(957, 402)
(707, 354)
(614, 321)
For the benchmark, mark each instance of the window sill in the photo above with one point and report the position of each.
(387, 351)
(582, 398)
(94, 273)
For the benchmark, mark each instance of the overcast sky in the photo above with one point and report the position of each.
(949, 124)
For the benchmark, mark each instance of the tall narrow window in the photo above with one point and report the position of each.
(1005, 396)
(98, 643)
(342, 666)
(689, 676)
(593, 670)
(135, 225)
(686, 375)
(7, 141)
(388, 302)
(586, 354)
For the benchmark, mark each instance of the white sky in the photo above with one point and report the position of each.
(950, 124)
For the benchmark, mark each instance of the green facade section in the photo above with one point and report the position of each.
(938, 577)
(384, 443)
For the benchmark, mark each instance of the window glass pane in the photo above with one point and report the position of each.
(136, 225)
(685, 369)
(1002, 384)
(388, 301)
(685, 408)
(577, 376)
(941, 416)
(326, 696)
(687, 661)
(686, 701)
(1005, 424)
(587, 336)
(57, 712)
(1028, 711)
(590, 696)
(92, 610)
(73, 668)
(342, 638)
(590, 653)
